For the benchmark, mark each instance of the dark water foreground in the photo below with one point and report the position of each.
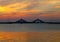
(29, 27)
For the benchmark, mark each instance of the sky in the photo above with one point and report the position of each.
(46, 10)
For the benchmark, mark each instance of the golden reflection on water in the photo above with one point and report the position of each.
(29, 36)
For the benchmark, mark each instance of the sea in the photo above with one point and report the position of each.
(29, 27)
(30, 32)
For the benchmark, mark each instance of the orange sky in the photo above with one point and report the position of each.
(29, 9)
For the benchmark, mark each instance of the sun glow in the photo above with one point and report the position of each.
(2, 9)
(6, 9)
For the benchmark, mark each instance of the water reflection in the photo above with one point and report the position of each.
(29, 36)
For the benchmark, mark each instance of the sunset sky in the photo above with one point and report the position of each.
(47, 10)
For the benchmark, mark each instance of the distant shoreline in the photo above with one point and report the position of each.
(22, 21)
(29, 23)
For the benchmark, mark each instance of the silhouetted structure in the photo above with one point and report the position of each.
(38, 21)
(52, 22)
(21, 21)
(24, 21)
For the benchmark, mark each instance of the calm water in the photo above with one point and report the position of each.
(29, 27)
(18, 33)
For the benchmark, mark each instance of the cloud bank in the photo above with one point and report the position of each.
(40, 8)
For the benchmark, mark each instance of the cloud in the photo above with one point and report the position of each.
(34, 7)
(28, 5)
